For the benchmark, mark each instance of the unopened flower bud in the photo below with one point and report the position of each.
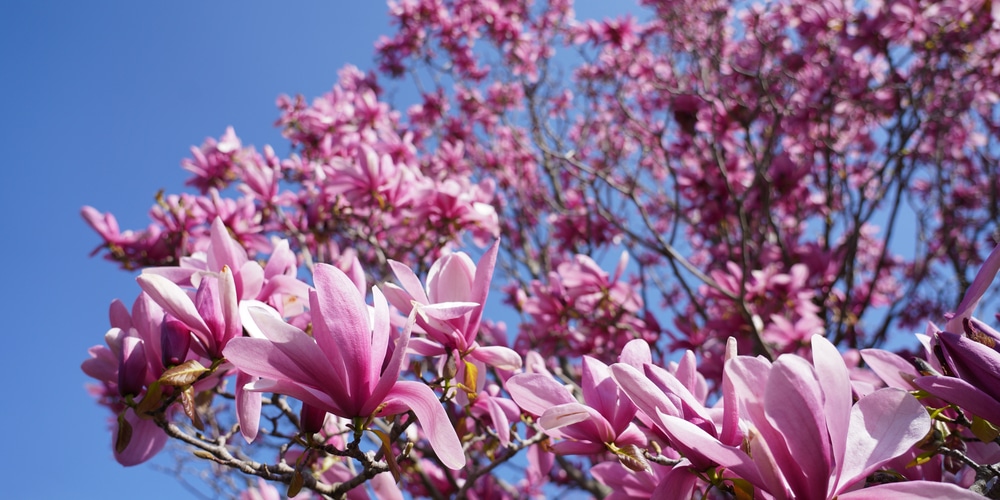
(175, 340)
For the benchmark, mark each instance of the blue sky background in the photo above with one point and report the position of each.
(103, 100)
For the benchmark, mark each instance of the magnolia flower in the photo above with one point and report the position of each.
(348, 367)
(971, 352)
(454, 284)
(805, 437)
(602, 422)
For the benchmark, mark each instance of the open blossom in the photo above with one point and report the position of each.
(453, 281)
(805, 438)
(348, 367)
(603, 422)
(124, 367)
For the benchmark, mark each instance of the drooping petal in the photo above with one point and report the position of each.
(248, 406)
(147, 440)
(884, 425)
(432, 420)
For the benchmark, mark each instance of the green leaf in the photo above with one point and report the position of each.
(985, 431)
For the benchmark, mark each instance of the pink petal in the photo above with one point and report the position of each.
(535, 392)
(481, 287)
(984, 278)
(390, 375)
(499, 417)
(890, 367)
(912, 490)
(410, 283)
(147, 440)
(286, 353)
(443, 311)
(433, 421)
(342, 328)
(175, 301)
(835, 382)
(963, 394)
(248, 406)
(884, 425)
(636, 353)
(499, 357)
(224, 251)
(696, 444)
(563, 415)
(793, 404)
(646, 396)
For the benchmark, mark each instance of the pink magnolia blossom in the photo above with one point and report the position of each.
(453, 281)
(804, 437)
(348, 367)
(602, 422)
(971, 353)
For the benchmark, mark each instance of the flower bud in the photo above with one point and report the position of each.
(131, 367)
(175, 340)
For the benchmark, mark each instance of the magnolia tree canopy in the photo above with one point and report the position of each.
(652, 256)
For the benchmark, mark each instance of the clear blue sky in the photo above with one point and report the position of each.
(103, 100)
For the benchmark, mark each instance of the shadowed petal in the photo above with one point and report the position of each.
(964, 394)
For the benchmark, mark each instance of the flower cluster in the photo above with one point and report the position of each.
(788, 184)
